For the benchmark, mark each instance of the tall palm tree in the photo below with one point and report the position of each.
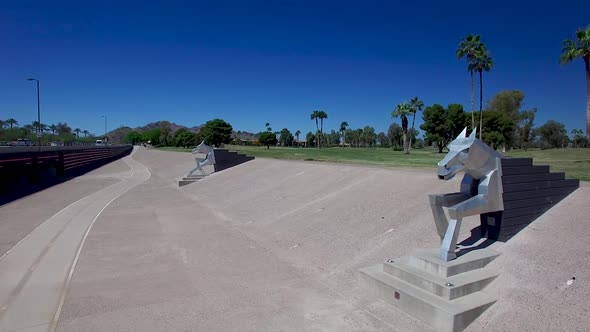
(416, 105)
(482, 61)
(11, 122)
(297, 133)
(53, 128)
(77, 131)
(322, 115)
(85, 132)
(343, 126)
(315, 116)
(468, 48)
(580, 48)
(401, 111)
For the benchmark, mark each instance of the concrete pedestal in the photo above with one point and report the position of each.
(446, 295)
(190, 179)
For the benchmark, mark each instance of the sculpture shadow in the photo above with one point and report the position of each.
(476, 241)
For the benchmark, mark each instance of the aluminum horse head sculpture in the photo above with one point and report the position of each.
(480, 192)
(209, 159)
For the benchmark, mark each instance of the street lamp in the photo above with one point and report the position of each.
(105, 127)
(38, 113)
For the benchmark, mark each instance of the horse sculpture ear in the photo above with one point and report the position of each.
(472, 136)
(463, 133)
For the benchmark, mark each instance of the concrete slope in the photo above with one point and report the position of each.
(276, 245)
(34, 273)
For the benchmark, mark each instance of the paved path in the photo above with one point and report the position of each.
(34, 274)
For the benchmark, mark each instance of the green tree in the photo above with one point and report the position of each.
(443, 125)
(216, 132)
(382, 139)
(78, 131)
(152, 136)
(268, 128)
(468, 48)
(185, 138)
(267, 138)
(285, 137)
(369, 135)
(3, 124)
(165, 133)
(133, 137)
(416, 105)
(482, 62)
(395, 135)
(319, 115)
(53, 128)
(525, 126)
(85, 132)
(297, 133)
(401, 111)
(499, 128)
(577, 137)
(343, 126)
(580, 48)
(310, 138)
(553, 134)
(509, 102)
(11, 122)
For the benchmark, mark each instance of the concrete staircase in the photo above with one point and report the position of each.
(529, 191)
(190, 179)
(446, 295)
(225, 159)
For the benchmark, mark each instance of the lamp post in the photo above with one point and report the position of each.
(105, 127)
(38, 113)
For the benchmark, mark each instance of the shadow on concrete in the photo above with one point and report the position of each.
(476, 241)
(16, 185)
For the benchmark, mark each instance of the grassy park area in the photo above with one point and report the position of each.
(574, 162)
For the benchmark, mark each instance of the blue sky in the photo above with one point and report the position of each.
(252, 62)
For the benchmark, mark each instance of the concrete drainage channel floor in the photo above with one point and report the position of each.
(275, 245)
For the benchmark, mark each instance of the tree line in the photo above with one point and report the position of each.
(11, 131)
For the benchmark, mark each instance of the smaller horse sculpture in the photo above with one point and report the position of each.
(209, 159)
(481, 188)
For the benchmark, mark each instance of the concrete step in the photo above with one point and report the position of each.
(428, 260)
(448, 288)
(441, 314)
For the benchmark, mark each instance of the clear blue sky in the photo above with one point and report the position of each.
(251, 62)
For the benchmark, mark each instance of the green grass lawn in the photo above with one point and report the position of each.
(574, 162)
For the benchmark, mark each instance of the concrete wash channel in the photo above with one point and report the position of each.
(266, 245)
(37, 270)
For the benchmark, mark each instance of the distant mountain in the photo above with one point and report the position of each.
(118, 135)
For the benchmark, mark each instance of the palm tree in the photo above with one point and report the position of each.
(482, 61)
(268, 128)
(415, 105)
(53, 128)
(343, 126)
(322, 115)
(580, 48)
(468, 48)
(315, 116)
(401, 111)
(85, 132)
(3, 123)
(11, 122)
(77, 131)
(297, 133)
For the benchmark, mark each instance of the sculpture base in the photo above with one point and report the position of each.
(190, 179)
(446, 295)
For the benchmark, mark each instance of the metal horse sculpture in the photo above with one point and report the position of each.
(481, 188)
(209, 159)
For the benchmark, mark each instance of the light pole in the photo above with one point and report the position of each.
(38, 113)
(105, 127)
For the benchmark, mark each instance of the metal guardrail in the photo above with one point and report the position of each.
(45, 148)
